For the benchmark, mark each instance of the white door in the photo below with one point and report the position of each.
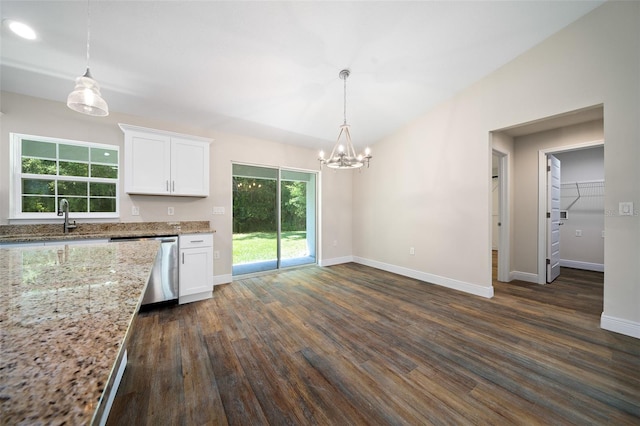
(495, 212)
(553, 218)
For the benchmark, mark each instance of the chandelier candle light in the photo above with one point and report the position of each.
(343, 155)
(86, 97)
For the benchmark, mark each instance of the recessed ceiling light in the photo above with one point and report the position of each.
(21, 29)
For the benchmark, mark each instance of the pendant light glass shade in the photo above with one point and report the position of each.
(86, 97)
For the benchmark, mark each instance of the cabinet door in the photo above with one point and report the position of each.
(189, 167)
(196, 271)
(147, 163)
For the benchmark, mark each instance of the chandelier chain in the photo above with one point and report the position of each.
(345, 99)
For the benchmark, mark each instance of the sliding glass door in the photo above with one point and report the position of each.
(274, 218)
(297, 218)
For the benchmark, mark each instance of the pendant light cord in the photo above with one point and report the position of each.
(88, 31)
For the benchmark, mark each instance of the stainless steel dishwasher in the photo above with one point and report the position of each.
(163, 281)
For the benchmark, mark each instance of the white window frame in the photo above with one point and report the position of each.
(16, 178)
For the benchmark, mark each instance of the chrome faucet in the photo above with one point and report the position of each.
(63, 208)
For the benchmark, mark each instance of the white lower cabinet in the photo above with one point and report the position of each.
(196, 267)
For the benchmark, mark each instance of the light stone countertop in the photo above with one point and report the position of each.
(87, 231)
(65, 315)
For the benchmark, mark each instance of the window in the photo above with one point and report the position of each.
(46, 170)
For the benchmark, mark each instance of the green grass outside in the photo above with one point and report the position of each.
(258, 246)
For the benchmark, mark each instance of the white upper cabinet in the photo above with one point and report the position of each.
(164, 163)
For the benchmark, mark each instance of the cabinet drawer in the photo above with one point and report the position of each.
(196, 240)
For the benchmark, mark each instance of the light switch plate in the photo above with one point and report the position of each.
(218, 210)
(625, 208)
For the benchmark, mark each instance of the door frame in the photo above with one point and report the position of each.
(504, 248)
(542, 200)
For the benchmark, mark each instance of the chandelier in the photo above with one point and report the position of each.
(343, 155)
(86, 97)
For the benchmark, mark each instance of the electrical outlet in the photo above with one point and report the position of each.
(602, 234)
(412, 251)
(218, 210)
(578, 232)
(335, 243)
(170, 211)
(216, 254)
(135, 211)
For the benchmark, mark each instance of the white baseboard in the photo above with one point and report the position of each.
(523, 276)
(587, 266)
(474, 289)
(335, 261)
(222, 279)
(619, 325)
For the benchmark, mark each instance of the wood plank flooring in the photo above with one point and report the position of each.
(351, 345)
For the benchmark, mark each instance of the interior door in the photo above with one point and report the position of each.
(553, 218)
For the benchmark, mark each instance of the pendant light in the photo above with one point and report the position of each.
(343, 155)
(86, 97)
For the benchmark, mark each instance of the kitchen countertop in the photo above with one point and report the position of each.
(88, 231)
(65, 315)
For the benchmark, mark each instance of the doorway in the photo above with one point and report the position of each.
(581, 208)
(274, 218)
(525, 188)
(500, 214)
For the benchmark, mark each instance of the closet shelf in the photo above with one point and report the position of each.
(577, 190)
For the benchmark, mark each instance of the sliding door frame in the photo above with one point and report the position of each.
(316, 210)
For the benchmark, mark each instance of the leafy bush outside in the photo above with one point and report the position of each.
(254, 205)
(255, 220)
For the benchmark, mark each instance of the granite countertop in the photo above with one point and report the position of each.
(88, 231)
(65, 315)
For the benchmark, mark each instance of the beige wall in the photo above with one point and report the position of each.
(526, 171)
(429, 186)
(22, 114)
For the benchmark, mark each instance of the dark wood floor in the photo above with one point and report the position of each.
(354, 345)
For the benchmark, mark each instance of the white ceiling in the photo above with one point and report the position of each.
(270, 69)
